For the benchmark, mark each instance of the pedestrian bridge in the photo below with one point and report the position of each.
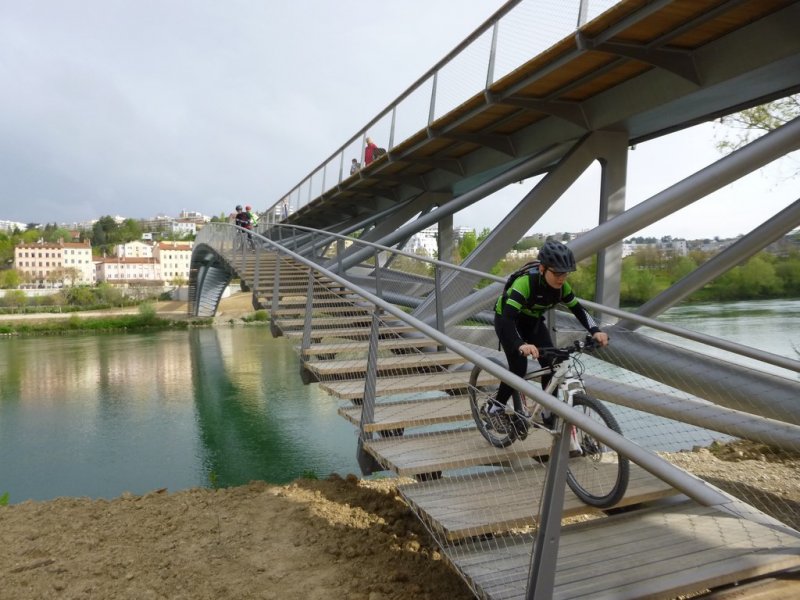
(395, 335)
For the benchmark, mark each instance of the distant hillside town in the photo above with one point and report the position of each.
(157, 251)
(102, 250)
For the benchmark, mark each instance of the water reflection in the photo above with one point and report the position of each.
(100, 415)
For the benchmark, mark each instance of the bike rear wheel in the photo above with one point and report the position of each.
(479, 397)
(599, 476)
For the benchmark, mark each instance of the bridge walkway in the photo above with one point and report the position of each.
(656, 543)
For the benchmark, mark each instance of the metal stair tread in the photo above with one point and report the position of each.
(353, 389)
(415, 413)
(449, 450)
(508, 500)
(397, 361)
(657, 553)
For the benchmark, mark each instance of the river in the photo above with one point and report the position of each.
(100, 415)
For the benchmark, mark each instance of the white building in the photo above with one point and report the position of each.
(674, 247)
(135, 249)
(424, 242)
(12, 225)
(183, 227)
(121, 270)
(175, 259)
(46, 263)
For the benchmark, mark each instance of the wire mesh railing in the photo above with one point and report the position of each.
(380, 336)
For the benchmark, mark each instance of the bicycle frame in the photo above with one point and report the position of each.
(564, 379)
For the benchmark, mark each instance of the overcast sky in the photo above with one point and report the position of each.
(141, 107)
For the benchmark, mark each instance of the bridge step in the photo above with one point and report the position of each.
(439, 451)
(299, 304)
(509, 500)
(660, 552)
(385, 344)
(320, 294)
(287, 324)
(416, 413)
(345, 308)
(351, 332)
(353, 389)
(399, 361)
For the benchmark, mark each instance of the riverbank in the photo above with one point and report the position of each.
(169, 314)
(310, 539)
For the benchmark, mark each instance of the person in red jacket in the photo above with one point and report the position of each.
(369, 151)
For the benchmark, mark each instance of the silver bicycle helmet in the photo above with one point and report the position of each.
(557, 257)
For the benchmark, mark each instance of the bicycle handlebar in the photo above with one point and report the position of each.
(552, 353)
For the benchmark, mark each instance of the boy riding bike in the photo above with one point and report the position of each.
(520, 325)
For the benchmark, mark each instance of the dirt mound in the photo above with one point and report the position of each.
(308, 540)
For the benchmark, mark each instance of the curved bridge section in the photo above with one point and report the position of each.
(210, 274)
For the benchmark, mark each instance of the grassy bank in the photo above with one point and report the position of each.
(145, 320)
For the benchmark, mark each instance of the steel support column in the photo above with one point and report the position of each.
(445, 239)
(614, 164)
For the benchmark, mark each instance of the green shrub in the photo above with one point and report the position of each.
(147, 312)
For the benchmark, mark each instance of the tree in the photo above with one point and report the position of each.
(9, 279)
(749, 124)
(129, 231)
(648, 257)
(71, 275)
(54, 234)
(15, 299)
(680, 266)
(54, 277)
(467, 244)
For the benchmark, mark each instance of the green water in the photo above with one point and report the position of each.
(104, 414)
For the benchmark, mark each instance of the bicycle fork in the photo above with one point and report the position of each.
(564, 388)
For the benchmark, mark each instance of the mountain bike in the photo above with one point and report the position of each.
(596, 473)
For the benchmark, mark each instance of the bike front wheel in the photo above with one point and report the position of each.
(598, 475)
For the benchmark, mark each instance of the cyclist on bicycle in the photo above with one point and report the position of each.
(242, 220)
(520, 325)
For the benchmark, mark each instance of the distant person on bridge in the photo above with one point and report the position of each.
(520, 324)
(253, 216)
(369, 151)
(243, 220)
(354, 167)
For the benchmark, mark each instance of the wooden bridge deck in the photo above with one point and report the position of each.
(656, 552)
(662, 546)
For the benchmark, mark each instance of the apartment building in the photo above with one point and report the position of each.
(175, 259)
(45, 264)
(135, 249)
(118, 270)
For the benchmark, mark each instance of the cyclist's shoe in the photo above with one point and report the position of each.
(523, 413)
(498, 418)
(520, 426)
(548, 419)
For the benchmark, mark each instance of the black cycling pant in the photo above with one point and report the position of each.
(533, 331)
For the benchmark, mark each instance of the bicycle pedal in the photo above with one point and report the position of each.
(520, 427)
